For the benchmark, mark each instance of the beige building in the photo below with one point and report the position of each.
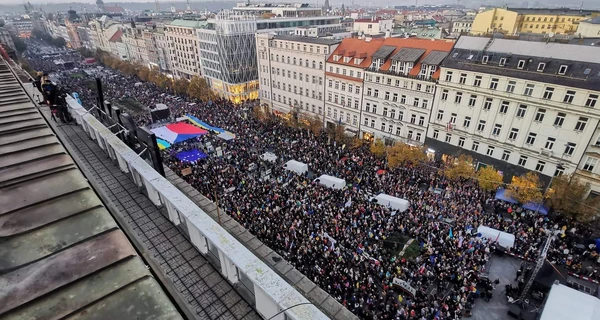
(589, 28)
(373, 26)
(291, 72)
(518, 105)
(589, 167)
(513, 21)
(183, 47)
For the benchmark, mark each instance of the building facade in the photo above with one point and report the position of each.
(344, 80)
(514, 21)
(462, 25)
(6, 38)
(294, 10)
(291, 72)
(373, 26)
(518, 105)
(184, 47)
(589, 28)
(589, 166)
(399, 89)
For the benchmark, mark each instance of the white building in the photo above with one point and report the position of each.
(462, 25)
(518, 105)
(292, 72)
(278, 10)
(344, 79)
(589, 166)
(184, 47)
(589, 28)
(373, 26)
(399, 88)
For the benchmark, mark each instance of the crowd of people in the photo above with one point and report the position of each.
(340, 239)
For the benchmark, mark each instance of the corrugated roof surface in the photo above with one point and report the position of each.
(383, 52)
(435, 57)
(408, 54)
(62, 256)
(471, 43)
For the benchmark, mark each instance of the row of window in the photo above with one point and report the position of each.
(411, 134)
(416, 102)
(298, 47)
(345, 72)
(341, 85)
(300, 62)
(529, 89)
(343, 100)
(343, 117)
(405, 83)
(297, 76)
(297, 90)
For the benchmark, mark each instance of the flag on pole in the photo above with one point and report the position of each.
(497, 237)
(450, 233)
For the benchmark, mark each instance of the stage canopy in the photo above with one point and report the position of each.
(268, 156)
(331, 182)
(506, 240)
(177, 132)
(501, 194)
(567, 303)
(394, 203)
(296, 166)
(191, 156)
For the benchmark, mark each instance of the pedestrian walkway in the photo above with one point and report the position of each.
(203, 291)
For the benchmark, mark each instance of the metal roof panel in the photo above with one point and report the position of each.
(408, 54)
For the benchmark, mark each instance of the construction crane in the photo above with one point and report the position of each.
(157, 6)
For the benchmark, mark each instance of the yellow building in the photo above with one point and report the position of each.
(513, 21)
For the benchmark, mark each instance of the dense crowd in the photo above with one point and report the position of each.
(339, 238)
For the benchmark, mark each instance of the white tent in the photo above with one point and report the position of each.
(296, 166)
(331, 182)
(268, 156)
(506, 240)
(394, 203)
(567, 303)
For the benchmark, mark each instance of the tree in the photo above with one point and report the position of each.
(401, 154)
(489, 178)
(198, 88)
(461, 168)
(378, 147)
(526, 188)
(259, 114)
(161, 80)
(143, 73)
(339, 134)
(315, 125)
(356, 143)
(568, 194)
(180, 86)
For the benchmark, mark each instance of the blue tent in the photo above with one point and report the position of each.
(502, 195)
(541, 209)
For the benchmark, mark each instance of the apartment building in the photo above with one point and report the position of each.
(228, 50)
(462, 25)
(514, 21)
(373, 26)
(399, 89)
(291, 71)
(518, 105)
(293, 10)
(100, 31)
(136, 44)
(184, 47)
(589, 166)
(344, 79)
(589, 28)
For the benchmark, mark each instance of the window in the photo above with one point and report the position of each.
(563, 69)
(570, 148)
(539, 115)
(560, 119)
(403, 99)
(416, 102)
(421, 120)
(461, 142)
(467, 122)
(395, 97)
(448, 137)
(569, 96)
(504, 107)
(436, 133)
(502, 62)
(539, 167)
(523, 161)
(475, 146)
(497, 129)
(511, 86)
(494, 84)
(485, 59)
(505, 155)
(453, 118)
(521, 111)
(366, 121)
(513, 134)
(463, 78)
(550, 143)
(529, 89)
(458, 97)
(425, 104)
(490, 151)
(487, 105)
(444, 96)
(440, 115)
(521, 64)
(477, 81)
(449, 76)
(472, 100)
(385, 112)
(369, 91)
(531, 138)
(580, 126)
(413, 118)
(541, 67)
(401, 115)
(591, 100)
(387, 96)
(548, 93)
(590, 164)
(481, 125)
(372, 123)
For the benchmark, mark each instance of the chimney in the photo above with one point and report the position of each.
(388, 34)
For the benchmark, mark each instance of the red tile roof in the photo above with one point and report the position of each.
(354, 47)
(116, 37)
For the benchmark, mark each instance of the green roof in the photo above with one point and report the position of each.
(188, 23)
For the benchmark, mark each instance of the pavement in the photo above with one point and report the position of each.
(502, 267)
(195, 285)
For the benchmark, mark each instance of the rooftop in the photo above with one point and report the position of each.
(358, 48)
(322, 41)
(188, 23)
(553, 11)
(595, 20)
(62, 253)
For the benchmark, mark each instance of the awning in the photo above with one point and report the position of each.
(502, 195)
(540, 208)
